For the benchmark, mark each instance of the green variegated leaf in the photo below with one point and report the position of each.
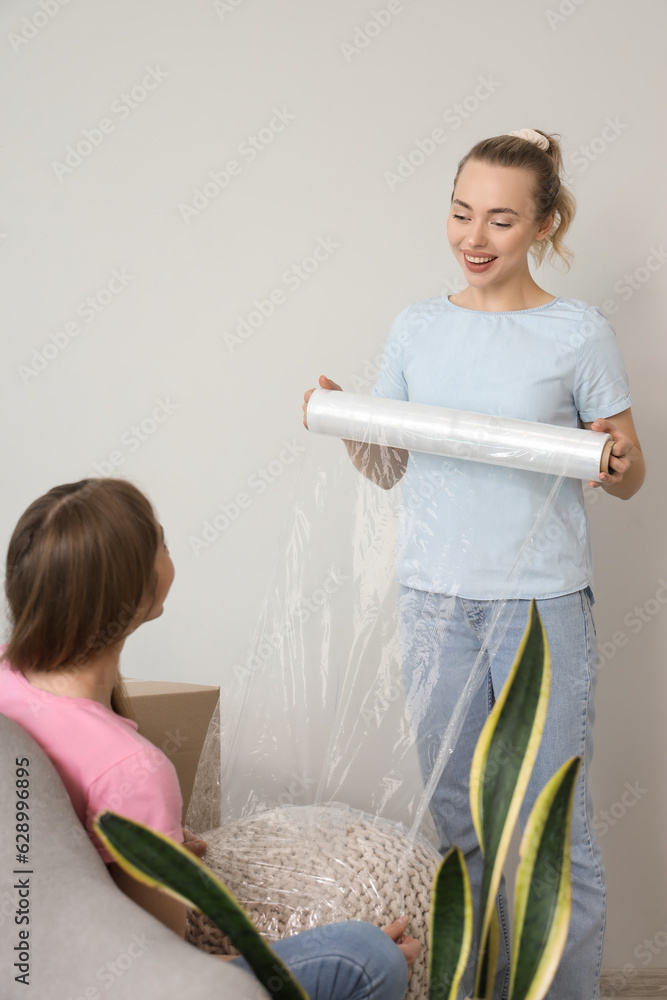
(488, 974)
(503, 762)
(542, 901)
(160, 863)
(451, 926)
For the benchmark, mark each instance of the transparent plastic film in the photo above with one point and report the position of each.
(346, 725)
(203, 811)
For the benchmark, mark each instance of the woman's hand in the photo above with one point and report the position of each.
(626, 462)
(408, 945)
(382, 465)
(193, 843)
(325, 383)
(619, 459)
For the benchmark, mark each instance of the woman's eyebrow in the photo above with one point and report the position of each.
(492, 211)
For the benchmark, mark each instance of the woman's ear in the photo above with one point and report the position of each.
(546, 227)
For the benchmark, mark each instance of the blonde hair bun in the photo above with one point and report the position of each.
(532, 136)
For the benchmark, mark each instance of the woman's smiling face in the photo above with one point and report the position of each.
(491, 223)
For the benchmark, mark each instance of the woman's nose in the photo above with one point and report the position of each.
(476, 237)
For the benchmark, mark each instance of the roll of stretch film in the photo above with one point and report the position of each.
(476, 437)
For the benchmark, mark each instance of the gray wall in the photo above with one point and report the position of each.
(335, 94)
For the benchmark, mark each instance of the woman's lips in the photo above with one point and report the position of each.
(478, 262)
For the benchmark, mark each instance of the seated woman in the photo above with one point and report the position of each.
(87, 565)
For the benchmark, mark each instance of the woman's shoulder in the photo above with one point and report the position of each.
(56, 721)
(588, 325)
(578, 310)
(428, 307)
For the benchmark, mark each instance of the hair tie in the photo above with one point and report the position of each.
(532, 136)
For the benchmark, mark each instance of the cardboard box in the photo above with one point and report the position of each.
(175, 717)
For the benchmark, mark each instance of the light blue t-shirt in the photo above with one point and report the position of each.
(463, 523)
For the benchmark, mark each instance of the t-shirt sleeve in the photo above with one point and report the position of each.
(143, 787)
(601, 386)
(390, 383)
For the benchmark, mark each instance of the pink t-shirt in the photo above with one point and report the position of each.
(103, 761)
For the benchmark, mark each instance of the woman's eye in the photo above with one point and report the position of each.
(460, 218)
(503, 225)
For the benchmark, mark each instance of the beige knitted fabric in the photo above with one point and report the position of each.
(297, 867)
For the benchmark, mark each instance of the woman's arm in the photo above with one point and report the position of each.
(169, 911)
(382, 465)
(626, 461)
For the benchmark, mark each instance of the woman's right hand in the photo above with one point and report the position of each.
(382, 465)
(325, 383)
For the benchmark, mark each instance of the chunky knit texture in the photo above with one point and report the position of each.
(301, 866)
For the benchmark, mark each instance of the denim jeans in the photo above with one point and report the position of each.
(344, 961)
(441, 638)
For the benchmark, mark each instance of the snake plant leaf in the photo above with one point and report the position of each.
(503, 762)
(543, 896)
(160, 863)
(451, 926)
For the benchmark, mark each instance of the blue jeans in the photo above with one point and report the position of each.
(345, 961)
(441, 638)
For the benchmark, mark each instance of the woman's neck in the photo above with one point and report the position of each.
(506, 298)
(94, 681)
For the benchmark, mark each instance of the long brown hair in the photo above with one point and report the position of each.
(80, 575)
(549, 192)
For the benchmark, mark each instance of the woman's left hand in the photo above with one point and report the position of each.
(620, 458)
(193, 843)
(626, 463)
(408, 945)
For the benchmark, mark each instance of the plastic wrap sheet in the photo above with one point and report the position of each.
(204, 807)
(314, 709)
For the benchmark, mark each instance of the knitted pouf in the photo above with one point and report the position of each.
(297, 867)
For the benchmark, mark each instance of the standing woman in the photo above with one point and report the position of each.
(506, 347)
